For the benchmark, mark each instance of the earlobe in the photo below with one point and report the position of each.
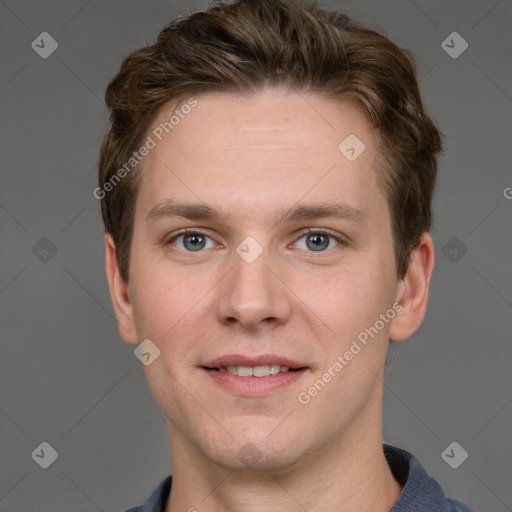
(119, 293)
(412, 291)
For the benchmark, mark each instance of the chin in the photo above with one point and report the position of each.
(252, 458)
(256, 449)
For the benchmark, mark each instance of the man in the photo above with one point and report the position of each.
(266, 185)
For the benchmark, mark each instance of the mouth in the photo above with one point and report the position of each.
(254, 376)
(262, 370)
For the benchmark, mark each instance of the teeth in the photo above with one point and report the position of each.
(256, 371)
(261, 371)
(274, 368)
(244, 371)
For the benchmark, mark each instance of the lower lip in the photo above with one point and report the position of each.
(254, 386)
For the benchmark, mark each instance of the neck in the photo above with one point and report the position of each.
(349, 475)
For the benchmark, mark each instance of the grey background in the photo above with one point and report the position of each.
(67, 378)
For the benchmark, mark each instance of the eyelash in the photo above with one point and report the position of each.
(342, 241)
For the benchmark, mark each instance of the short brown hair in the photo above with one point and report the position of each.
(246, 45)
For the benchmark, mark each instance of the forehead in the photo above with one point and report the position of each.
(257, 152)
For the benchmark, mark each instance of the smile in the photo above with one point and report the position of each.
(263, 370)
(253, 376)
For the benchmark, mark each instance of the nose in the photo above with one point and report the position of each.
(254, 295)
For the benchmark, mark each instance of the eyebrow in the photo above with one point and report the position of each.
(198, 211)
(311, 212)
(192, 211)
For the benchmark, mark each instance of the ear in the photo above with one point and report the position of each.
(413, 290)
(119, 293)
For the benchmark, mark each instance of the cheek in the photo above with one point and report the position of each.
(165, 303)
(347, 300)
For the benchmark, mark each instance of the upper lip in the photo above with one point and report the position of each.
(251, 361)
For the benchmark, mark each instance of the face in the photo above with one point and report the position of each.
(259, 246)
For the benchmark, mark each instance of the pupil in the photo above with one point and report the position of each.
(194, 242)
(317, 242)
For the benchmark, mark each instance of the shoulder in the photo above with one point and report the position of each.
(158, 498)
(420, 492)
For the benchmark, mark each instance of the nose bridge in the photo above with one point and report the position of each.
(252, 294)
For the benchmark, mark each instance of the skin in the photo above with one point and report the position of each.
(251, 158)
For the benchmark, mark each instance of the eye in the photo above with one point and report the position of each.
(317, 241)
(192, 241)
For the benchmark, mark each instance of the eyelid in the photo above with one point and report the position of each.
(168, 240)
(340, 238)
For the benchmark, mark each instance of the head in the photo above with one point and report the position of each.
(232, 125)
